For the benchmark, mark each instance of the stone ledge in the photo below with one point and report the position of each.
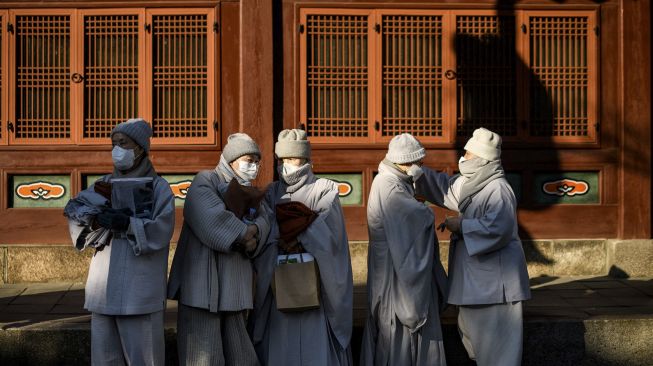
(546, 342)
(624, 258)
(633, 258)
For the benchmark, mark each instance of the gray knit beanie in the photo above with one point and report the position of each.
(292, 144)
(239, 144)
(485, 144)
(137, 129)
(404, 149)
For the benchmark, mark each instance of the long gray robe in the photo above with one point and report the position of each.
(212, 282)
(128, 277)
(488, 278)
(313, 337)
(486, 263)
(406, 282)
(205, 272)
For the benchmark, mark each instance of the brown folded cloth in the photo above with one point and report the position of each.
(239, 199)
(103, 189)
(293, 218)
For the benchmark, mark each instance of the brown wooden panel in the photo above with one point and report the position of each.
(4, 55)
(635, 180)
(256, 81)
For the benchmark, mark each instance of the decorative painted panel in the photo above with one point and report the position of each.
(39, 191)
(350, 186)
(567, 188)
(179, 183)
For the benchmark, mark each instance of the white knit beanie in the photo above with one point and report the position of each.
(485, 144)
(239, 144)
(137, 129)
(404, 149)
(292, 144)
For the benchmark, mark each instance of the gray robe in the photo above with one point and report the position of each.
(487, 263)
(406, 282)
(313, 337)
(128, 277)
(205, 272)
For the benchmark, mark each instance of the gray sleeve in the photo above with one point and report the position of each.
(147, 235)
(494, 229)
(436, 187)
(208, 217)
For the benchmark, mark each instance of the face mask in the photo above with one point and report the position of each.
(123, 159)
(289, 168)
(415, 171)
(462, 158)
(247, 171)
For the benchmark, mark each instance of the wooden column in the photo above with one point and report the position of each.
(256, 79)
(635, 218)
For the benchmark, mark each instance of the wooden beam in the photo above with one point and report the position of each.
(635, 215)
(256, 55)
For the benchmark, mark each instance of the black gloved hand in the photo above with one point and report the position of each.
(114, 219)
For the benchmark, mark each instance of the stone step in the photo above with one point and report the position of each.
(569, 321)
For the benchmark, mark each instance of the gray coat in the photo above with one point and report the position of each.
(205, 272)
(128, 277)
(312, 337)
(406, 282)
(486, 262)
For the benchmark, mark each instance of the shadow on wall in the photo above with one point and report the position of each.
(488, 71)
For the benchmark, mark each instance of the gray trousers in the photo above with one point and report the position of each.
(213, 339)
(127, 340)
(492, 334)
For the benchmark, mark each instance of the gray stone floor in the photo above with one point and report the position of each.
(47, 305)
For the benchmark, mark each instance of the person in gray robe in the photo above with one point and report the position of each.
(211, 272)
(488, 278)
(126, 284)
(318, 336)
(406, 283)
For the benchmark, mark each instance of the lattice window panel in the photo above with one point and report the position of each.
(111, 72)
(412, 75)
(559, 62)
(486, 74)
(337, 76)
(42, 78)
(180, 77)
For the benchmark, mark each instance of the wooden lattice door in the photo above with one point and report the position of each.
(41, 56)
(182, 64)
(113, 77)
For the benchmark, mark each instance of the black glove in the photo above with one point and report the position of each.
(114, 219)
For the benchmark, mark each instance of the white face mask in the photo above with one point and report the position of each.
(123, 159)
(415, 171)
(247, 170)
(462, 158)
(289, 168)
